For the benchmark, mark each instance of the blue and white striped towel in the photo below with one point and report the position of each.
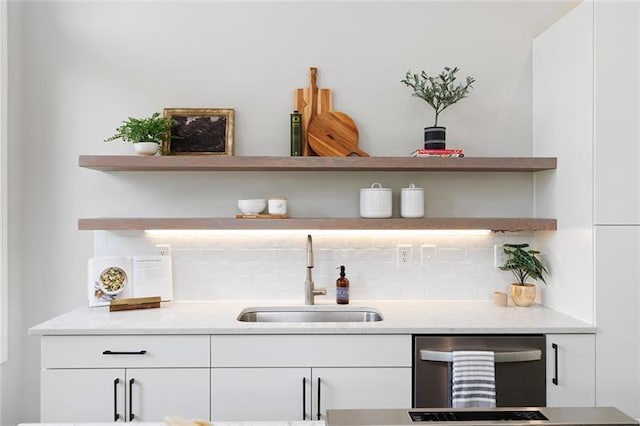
(473, 379)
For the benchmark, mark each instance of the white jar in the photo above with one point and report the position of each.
(412, 202)
(375, 202)
(277, 206)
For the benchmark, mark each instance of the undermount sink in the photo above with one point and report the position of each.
(310, 314)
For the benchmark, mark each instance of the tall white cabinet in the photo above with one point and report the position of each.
(586, 112)
(617, 204)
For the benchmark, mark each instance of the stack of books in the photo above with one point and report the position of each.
(437, 153)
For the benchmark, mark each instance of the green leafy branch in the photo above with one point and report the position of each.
(440, 92)
(150, 129)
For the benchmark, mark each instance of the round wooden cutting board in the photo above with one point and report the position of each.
(334, 134)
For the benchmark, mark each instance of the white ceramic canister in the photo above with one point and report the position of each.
(277, 205)
(412, 202)
(375, 202)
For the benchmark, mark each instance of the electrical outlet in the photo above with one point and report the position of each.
(499, 256)
(428, 254)
(403, 254)
(163, 249)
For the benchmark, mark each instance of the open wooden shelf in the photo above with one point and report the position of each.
(495, 224)
(227, 163)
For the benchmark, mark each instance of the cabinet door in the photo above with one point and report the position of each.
(82, 395)
(360, 387)
(618, 317)
(154, 393)
(617, 106)
(254, 394)
(570, 370)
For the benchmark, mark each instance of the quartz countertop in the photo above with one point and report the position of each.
(400, 317)
(262, 423)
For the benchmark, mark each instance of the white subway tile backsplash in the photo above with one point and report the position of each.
(274, 267)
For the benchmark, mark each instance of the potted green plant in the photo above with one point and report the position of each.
(523, 264)
(146, 134)
(439, 92)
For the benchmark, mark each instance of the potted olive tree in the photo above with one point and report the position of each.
(146, 134)
(439, 92)
(523, 264)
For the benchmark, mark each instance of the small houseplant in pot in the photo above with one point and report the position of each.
(146, 134)
(523, 264)
(439, 92)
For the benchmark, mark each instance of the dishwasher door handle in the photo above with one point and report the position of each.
(499, 357)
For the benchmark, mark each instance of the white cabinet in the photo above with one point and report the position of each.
(618, 317)
(110, 395)
(377, 387)
(88, 379)
(617, 107)
(256, 394)
(570, 370)
(154, 393)
(87, 395)
(300, 377)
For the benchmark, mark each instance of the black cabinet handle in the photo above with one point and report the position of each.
(318, 398)
(116, 416)
(131, 415)
(555, 376)
(107, 352)
(304, 398)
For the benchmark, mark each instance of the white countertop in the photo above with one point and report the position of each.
(265, 423)
(400, 317)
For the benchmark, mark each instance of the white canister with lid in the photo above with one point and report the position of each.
(412, 202)
(375, 202)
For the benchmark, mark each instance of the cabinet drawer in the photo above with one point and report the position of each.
(311, 350)
(124, 351)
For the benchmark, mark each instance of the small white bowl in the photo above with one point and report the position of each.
(112, 280)
(252, 206)
(146, 148)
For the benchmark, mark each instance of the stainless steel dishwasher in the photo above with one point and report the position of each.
(520, 368)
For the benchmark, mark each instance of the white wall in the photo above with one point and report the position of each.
(13, 402)
(87, 65)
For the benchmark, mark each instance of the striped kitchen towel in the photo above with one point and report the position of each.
(473, 379)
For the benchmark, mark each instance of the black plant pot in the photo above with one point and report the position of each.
(434, 137)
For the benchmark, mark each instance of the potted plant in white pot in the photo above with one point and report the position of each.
(523, 264)
(146, 134)
(439, 92)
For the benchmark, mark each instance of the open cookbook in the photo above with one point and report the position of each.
(111, 278)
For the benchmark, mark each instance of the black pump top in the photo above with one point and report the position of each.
(342, 274)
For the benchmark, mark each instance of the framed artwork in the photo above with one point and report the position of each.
(200, 131)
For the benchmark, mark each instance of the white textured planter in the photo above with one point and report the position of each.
(146, 148)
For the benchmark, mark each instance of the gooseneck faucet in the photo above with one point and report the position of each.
(310, 292)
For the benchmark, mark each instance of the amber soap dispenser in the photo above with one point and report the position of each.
(342, 288)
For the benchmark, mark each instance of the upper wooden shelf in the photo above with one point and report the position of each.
(227, 163)
(495, 224)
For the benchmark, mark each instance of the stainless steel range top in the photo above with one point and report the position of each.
(474, 416)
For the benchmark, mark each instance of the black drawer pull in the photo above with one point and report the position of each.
(131, 415)
(304, 398)
(318, 398)
(116, 416)
(555, 377)
(123, 352)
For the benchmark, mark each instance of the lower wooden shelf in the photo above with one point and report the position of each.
(494, 224)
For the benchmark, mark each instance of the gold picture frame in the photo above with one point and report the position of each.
(200, 131)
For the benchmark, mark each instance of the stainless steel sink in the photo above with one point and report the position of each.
(310, 314)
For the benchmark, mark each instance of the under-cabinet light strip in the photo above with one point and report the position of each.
(345, 232)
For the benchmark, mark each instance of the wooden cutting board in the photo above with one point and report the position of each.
(310, 102)
(334, 134)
